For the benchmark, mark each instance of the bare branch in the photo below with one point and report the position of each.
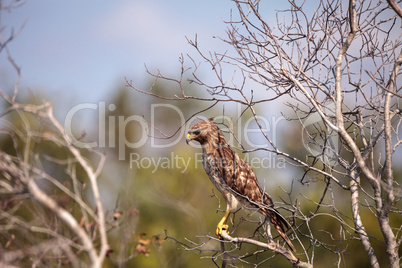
(395, 7)
(275, 247)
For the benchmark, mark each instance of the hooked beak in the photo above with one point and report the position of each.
(188, 138)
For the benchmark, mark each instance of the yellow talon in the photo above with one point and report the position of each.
(220, 228)
(222, 225)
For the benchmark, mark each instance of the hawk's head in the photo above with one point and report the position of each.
(202, 131)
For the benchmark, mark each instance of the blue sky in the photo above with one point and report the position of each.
(79, 51)
(76, 52)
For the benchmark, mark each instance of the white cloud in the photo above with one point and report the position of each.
(143, 25)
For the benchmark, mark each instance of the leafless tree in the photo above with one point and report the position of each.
(337, 66)
(25, 174)
(45, 217)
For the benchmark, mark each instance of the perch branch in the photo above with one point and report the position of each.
(275, 247)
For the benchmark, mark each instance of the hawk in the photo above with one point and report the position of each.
(233, 177)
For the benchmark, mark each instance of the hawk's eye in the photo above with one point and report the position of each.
(196, 132)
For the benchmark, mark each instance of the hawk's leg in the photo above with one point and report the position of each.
(222, 224)
(268, 231)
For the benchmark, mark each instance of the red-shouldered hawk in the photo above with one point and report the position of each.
(233, 177)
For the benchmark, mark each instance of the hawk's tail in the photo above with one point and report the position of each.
(280, 224)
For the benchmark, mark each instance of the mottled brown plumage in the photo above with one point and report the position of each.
(233, 177)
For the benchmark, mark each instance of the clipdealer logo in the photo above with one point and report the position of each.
(108, 124)
(122, 142)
